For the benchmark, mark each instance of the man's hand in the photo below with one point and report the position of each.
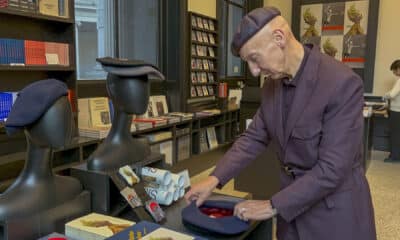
(199, 192)
(254, 210)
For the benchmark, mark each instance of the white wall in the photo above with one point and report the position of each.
(284, 5)
(387, 46)
(388, 40)
(205, 7)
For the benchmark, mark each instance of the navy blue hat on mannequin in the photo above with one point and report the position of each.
(130, 68)
(250, 24)
(32, 102)
(214, 216)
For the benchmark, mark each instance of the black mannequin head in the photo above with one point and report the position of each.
(55, 128)
(129, 94)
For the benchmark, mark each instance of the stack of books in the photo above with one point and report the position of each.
(12, 51)
(28, 52)
(155, 122)
(7, 99)
(208, 112)
(94, 117)
(183, 116)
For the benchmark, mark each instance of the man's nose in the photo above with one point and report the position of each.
(254, 69)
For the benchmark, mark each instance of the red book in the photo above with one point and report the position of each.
(35, 53)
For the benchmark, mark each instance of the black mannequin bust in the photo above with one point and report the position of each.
(128, 88)
(37, 188)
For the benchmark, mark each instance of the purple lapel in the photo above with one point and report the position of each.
(277, 105)
(304, 90)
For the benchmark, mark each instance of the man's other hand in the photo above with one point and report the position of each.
(200, 191)
(254, 210)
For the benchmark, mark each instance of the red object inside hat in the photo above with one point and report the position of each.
(214, 212)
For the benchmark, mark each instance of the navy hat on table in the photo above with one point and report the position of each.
(214, 216)
(32, 102)
(130, 68)
(250, 24)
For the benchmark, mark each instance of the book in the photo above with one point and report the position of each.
(203, 141)
(158, 136)
(97, 132)
(154, 121)
(212, 138)
(183, 147)
(49, 7)
(148, 230)
(94, 112)
(182, 115)
(166, 149)
(159, 105)
(95, 226)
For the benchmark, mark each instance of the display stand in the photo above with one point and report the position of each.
(105, 189)
(46, 222)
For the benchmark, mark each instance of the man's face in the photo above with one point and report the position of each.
(264, 56)
(396, 72)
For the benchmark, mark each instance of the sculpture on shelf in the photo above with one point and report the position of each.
(43, 111)
(128, 88)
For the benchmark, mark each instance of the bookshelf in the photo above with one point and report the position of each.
(202, 74)
(24, 22)
(185, 142)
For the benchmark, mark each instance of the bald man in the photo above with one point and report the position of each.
(312, 109)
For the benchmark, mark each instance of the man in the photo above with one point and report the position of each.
(312, 108)
(394, 116)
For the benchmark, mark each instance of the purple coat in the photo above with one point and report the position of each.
(329, 198)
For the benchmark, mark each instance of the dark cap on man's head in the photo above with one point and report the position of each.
(32, 103)
(250, 24)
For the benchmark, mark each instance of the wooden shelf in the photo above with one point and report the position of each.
(202, 70)
(160, 141)
(205, 44)
(201, 84)
(37, 68)
(12, 157)
(204, 57)
(204, 30)
(36, 16)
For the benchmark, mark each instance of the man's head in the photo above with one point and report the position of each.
(265, 41)
(395, 68)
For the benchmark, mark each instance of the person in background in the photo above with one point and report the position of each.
(394, 114)
(311, 108)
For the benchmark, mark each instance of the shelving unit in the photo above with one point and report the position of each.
(203, 77)
(225, 124)
(23, 20)
(30, 24)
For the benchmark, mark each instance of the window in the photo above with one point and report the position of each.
(95, 36)
(230, 15)
(139, 24)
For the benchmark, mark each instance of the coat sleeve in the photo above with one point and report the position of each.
(339, 149)
(246, 148)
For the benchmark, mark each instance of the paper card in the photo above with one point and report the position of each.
(52, 58)
(131, 197)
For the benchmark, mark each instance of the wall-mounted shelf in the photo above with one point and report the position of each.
(30, 15)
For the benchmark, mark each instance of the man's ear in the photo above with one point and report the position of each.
(279, 37)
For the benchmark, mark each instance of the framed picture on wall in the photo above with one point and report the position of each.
(345, 30)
